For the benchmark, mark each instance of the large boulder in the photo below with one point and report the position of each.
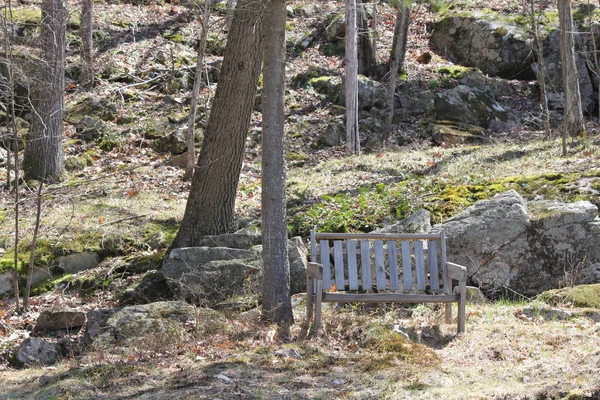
(528, 247)
(468, 105)
(553, 75)
(210, 275)
(126, 325)
(493, 42)
(38, 351)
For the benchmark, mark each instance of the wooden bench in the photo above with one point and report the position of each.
(383, 268)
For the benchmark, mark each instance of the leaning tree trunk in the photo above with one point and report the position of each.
(210, 205)
(351, 79)
(400, 34)
(43, 158)
(276, 302)
(86, 79)
(573, 125)
(396, 60)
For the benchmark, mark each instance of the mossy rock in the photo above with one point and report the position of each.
(585, 296)
(328, 86)
(455, 132)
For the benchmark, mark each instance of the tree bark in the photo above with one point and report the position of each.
(366, 52)
(400, 34)
(541, 73)
(396, 60)
(86, 79)
(43, 158)
(210, 205)
(276, 302)
(351, 80)
(191, 134)
(573, 125)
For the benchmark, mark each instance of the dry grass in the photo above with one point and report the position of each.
(360, 354)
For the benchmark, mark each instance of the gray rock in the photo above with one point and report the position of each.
(528, 247)
(78, 262)
(89, 128)
(417, 222)
(333, 135)
(37, 351)
(213, 274)
(60, 319)
(151, 288)
(553, 75)
(468, 105)
(492, 42)
(172, 142)
(6, 282)
(234, 240)
(124, 326)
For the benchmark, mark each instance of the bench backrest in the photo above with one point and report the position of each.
(385, 261)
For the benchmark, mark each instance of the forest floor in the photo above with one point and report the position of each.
(129, 201)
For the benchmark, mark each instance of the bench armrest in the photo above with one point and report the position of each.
(314, 270)
(457, 272)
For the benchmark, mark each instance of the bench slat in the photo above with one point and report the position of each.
(447, 285)
(380, 265)
(365, 264)
(389, 298)
(406, 266)
(326, 264)
(420, 265)
(338, 262)
(433, 266)
(352, 269)
(393, 261)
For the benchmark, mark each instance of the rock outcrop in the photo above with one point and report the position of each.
(528, 247)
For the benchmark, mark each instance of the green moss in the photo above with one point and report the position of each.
(42, 256)
(21, 15)
(587, 296)
(501, 31)
(334, 49)
(353, 212)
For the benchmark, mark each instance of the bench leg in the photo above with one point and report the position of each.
(310, 293)
(462, 306)
(318, 304)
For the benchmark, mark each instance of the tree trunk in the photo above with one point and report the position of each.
(400, 34)
(43, 158)
(396, 60)
(573, 125)
(276, 302)
(191, 134)
(210, 206)
(86, 79)
(541, 73)
(351, 79)
(366, 53)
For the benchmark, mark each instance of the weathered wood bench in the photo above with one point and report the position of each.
(383, 268)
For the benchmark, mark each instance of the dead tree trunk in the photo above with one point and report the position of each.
(573, 125)
(351, 80)
(191, 134)
(396, 60)
(86, 79)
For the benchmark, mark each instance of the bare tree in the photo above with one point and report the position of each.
(539, 51)
(191, 134)
(396, 60)
(573, 124)
(351, 79)
(276, 302)
(86, 79)
(43, 158)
